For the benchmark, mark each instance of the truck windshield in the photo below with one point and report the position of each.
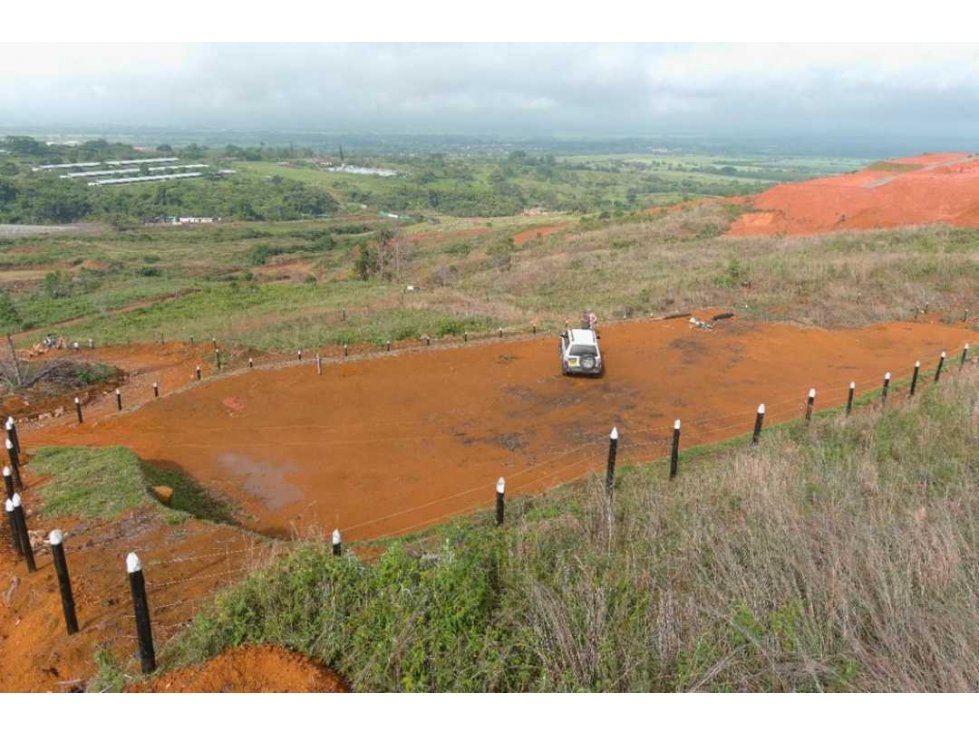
(583, 350)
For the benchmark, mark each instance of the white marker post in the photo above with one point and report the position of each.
(14, 463)
(8, 482)
(759, 421)
(12, 522)
(56, 539)
(141, 608)
(849, 398)
(156, 389)
(965, 356)
(337, 542)
(914, 377)
(25, 538)
(941, 363)
(613, 448)
(883, 392)
(78, 409)
(118, 399)
(500, 500)
(675, 450)
(810, 401)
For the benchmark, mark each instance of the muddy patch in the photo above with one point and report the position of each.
(263, 479)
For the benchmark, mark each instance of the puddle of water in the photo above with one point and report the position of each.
(263, 479)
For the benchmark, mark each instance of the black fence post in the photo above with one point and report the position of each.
(500, 500)
(11, 427)
(759, 422)
(387, 346)
(14, 530)
(14, 464)
(675, 450)
(501, 333)
(914, 377)
(25, 539)
(78, 409)
(251, 363)
(141, 608)
(118, 399)
(56, 539)
(8, 482)
(428, 341)
(965, 356)
(217, 359)
(156, 389)
(299, 355)
(534, 328)
(849, 398)
(337, 542)
(883, 392)
(345, 349)
(810, 401)
(465, 336)
(197, 372)
(941, 363)
(613, 447)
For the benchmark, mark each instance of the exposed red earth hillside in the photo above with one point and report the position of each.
(927, 189)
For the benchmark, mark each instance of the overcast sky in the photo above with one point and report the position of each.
(736, 89)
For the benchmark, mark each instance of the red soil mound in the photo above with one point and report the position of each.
(250, 669)
(388, 445)
(926, 189)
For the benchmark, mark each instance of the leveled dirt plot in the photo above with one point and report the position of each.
(386, 446)
(927, 189)
(530, 234)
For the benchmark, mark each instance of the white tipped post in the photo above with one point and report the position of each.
(141, 609)
(337, 542)
(914, 377)
(25, 539)
(118, 399)
(11, 428)
(14, 463)
(14, 529)
(675, 450)
(56, 539)
(613, 447)
(500, 500)
(849, 398)
(156, 389)
(78, 409)
(965, 356)
(810, 401)
(883, 392)
(941, 363)
(759, 421)
(8, 482)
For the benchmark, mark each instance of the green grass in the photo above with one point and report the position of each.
(834, 558)
(103, 482)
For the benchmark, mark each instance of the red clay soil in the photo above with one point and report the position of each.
(389, 445)
(250, 669)
(529, 234)
(927, 189)
(184, 565)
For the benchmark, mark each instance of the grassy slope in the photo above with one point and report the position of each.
(471, 278)
(839, 558)
(86, 482)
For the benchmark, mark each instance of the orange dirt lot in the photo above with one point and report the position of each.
(927, 189)
(389, 445)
